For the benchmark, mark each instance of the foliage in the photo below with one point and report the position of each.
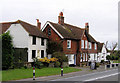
(102, 61)
(7, 50)
(60, 56)
(37, 63)
(57, 64)
(108, 57)
(54, 47)
(97, 64)
(45, 59)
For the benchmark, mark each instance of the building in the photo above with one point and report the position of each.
(102, 52)
(77, 43)
(28, 40)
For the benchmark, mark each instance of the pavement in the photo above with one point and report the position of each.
(85, 71)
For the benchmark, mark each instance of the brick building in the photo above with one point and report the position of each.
(78, 44)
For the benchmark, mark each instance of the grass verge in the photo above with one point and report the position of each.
(16, 74)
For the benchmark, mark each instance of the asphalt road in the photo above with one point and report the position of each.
(110, 75)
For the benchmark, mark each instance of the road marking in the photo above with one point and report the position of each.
(83, 75)
(102, 77)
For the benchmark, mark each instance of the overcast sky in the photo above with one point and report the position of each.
(102, 15)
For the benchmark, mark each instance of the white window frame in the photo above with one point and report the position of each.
(83, 56)
(95, 45)
(69, 45)
(90, 45)
(86, 44)
(82, 43)
(86, 57)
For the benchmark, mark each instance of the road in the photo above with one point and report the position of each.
(110, 75)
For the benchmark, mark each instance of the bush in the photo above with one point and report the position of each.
(108, 57)
(54, 47)
(102, 61)
(97, 64)
(60, 56)
(57, 64)
(37, 63)
(7, 50)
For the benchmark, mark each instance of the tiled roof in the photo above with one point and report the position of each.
(68, 31)
(99, 46)
(72, 32)
(31, 29)
(90, 38)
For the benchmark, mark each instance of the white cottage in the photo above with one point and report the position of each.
(27, 36)
(102, 52)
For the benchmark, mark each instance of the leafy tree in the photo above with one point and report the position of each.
(54, 47)
(108, 57)
(60, 56)
(7, 50)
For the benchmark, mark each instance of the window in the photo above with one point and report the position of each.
(34, 40)
(49, 31)
(83, 56)
(90, 45)
(82, 43)
(42, 53)
(42, 41)
(68, 43)
(33, 53)
(86, 57)
(95, 45)
(86, 44)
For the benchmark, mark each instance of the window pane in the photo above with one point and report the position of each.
(42, 41)
(33, 53)
(34, 40)
(42, 53)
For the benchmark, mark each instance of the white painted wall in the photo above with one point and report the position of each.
(36, 47)
(21, 39)
(102, 55)
(20, 36)
(93, 57)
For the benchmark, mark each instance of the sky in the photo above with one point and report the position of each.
(102, 15)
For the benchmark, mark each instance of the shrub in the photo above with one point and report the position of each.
(102, 61)
(60, 56)
(54, 47)
(57, 64)
(7, 50)
(108, 57)
(37, 63)
(97, 64)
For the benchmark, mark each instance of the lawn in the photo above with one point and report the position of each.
(116, 61)
(16, 74)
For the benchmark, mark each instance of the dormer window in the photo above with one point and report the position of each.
(68, 43)
(49, 31)
(82, 43)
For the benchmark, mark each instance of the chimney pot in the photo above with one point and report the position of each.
(87, 27)
(61, 18)
(38, 24)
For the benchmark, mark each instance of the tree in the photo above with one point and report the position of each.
(108, 57)
(54, 47)
(7, 50)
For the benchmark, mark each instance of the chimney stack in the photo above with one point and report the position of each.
(38, 24)
(87, 27)
(61, 18)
